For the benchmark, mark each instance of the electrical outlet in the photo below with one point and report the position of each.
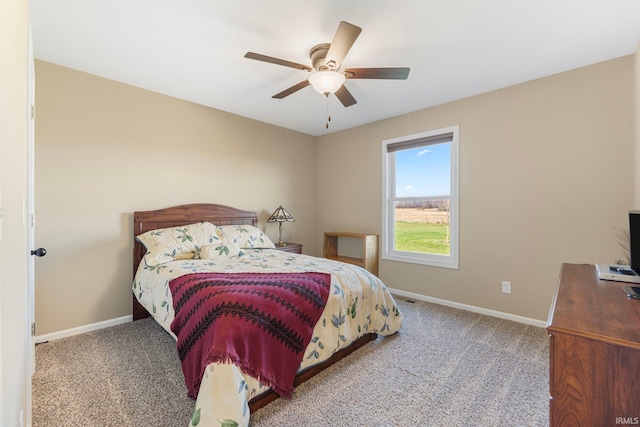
(506, 287)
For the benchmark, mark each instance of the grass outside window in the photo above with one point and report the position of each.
(422, 237)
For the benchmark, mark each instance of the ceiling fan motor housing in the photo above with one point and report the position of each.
(317, 54)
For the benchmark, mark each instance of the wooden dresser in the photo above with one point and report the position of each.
(594, 353)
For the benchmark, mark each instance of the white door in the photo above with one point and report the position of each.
(30, 217)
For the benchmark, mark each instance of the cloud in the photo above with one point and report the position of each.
(425, 151)
(408, 187)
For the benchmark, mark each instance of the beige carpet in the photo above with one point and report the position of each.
(446, 367)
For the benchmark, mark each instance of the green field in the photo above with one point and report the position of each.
(422, 237)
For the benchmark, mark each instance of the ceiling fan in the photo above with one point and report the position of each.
(326, 75)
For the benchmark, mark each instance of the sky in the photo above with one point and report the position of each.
(423, 171)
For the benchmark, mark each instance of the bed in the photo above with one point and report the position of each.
(358, 305)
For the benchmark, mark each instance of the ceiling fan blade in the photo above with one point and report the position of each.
(292, 89)
(377, 73)
(277, 61)
(344, 38)
(345, 96)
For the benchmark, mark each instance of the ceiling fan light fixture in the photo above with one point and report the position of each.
(325, 82)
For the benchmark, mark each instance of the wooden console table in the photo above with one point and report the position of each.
(594, 353)
(369, 259)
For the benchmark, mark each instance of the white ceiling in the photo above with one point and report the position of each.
(194, 49)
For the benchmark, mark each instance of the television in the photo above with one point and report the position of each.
(634, 241)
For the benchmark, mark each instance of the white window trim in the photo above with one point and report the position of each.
(388, 175)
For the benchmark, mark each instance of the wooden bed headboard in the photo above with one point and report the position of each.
(144, 221)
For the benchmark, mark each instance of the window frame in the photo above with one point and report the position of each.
(389, 198)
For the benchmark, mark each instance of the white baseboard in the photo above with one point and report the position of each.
(83, 329)
(480, 310)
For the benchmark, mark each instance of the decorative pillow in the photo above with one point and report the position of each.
(246, 236)
(175, 243)
(220, 250)
(210, 235)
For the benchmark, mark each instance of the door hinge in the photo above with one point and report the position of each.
(33, 111)
(33, 329)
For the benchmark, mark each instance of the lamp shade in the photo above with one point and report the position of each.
(326, 81)
(280, 215)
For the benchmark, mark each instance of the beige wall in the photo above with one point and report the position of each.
(14, 17)
(105, 150)
(546, 177)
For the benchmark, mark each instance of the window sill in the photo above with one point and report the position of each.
(423, 259)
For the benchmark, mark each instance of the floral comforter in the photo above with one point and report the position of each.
(358, 303)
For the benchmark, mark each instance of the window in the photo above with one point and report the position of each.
(420, 212)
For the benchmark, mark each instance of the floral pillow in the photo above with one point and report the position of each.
(211, 236)
(246, 236)
(220, 250)
(175, 243)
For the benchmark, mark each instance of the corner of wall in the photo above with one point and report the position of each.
(14, 399)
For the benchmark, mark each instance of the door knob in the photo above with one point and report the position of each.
(40, 252)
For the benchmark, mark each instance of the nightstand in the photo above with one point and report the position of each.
(295, 248)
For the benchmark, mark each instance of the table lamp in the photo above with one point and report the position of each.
(280, 215)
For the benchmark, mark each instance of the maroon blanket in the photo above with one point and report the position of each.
(261, 322)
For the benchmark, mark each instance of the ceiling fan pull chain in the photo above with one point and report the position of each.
(328, 114)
